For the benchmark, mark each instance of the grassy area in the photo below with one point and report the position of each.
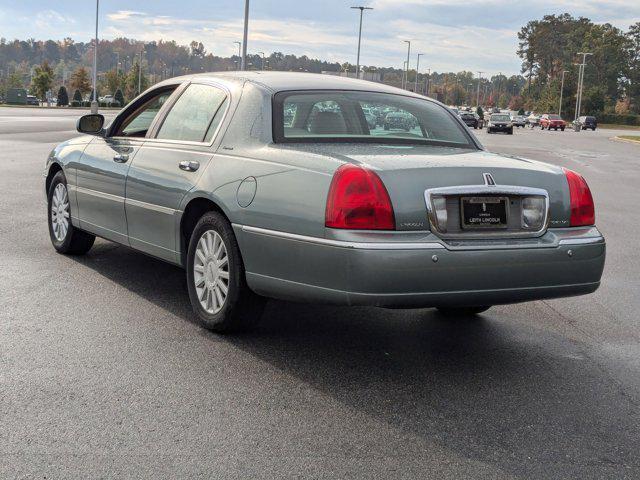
(631, 138)
(613, 126)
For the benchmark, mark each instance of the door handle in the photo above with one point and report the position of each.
(189, 166)
(121, 158)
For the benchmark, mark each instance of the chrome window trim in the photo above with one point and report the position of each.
(480, 190)
(342, 243)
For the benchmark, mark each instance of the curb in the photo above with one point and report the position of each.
(625, 140)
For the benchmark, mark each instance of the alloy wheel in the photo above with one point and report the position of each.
(211, 271)
(60, 212)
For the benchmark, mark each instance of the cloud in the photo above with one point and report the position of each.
(123, 15)
(46, 18)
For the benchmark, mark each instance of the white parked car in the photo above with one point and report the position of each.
(108, 99)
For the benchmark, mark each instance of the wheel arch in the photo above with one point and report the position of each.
(193, 210)
(54, 168)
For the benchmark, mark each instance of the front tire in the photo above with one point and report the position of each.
(65, 238)
(216, 279)
(459, 312)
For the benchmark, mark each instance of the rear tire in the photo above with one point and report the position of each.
(216, 279)
(64, 236)
(458, 312)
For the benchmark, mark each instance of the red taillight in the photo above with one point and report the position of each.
(358, 200)
(582, 208)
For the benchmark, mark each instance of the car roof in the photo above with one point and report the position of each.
(284, 81)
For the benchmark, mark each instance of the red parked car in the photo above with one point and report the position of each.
(552, 121)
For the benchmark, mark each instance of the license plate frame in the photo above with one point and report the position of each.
(479, 212)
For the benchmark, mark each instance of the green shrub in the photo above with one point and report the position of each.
(626, 119)
(63, 97)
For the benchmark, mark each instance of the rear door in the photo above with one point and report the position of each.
(102, 173)
(169, 164)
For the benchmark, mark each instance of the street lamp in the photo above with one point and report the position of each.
(580, 83)
(406, 76)
(478, 92)
(362, 9)
(243, 60)
(415, 88)
(239, 54)
(140, 73)
(94, 102)
(561, 91)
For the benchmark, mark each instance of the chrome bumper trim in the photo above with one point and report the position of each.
(581, 241)
(414, 245)
(342, 243)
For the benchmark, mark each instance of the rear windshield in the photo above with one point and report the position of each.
(341, 116)
(554, 117)
(500, 118)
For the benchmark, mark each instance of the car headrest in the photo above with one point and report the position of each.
(328, 122)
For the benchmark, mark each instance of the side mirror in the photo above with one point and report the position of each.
(91, 124)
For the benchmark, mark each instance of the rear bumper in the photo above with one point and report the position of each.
(420, 270)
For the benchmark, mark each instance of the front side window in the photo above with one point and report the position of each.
(138, 122)
(190, 119)
(364, 117)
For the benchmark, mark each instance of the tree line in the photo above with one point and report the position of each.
(550, 46)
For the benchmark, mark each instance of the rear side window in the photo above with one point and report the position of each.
(199, 108)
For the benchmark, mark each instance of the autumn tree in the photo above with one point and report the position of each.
(80, 80)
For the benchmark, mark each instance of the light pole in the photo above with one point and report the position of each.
(94, 102)
(140, 73)
(427, 85)
(243, 60)
(561, 91)
(415, 88)
(478, 92)
(581, 83)
(406, 76)
(362, 9)
(261, 63)
(239, 54)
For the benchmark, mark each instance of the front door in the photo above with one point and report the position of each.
(102, 174)
(168, 166)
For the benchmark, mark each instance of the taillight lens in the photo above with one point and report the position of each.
(358, 200)
(582, 208)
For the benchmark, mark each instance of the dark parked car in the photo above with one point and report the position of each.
(519, 121)
(500, 122)
(588, 122)
(552, 122)
(470, 119)
(32, 100)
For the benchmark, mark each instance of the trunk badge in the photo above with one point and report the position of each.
(488, 179)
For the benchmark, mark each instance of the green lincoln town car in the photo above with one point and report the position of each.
(274, 184)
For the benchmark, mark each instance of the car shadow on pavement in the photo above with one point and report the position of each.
(522, 400)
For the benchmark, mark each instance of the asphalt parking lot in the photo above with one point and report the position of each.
(104, 374)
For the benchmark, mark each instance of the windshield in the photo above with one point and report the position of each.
(500, 118)
(339, 116)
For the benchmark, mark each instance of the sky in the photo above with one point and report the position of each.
(453, 35)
